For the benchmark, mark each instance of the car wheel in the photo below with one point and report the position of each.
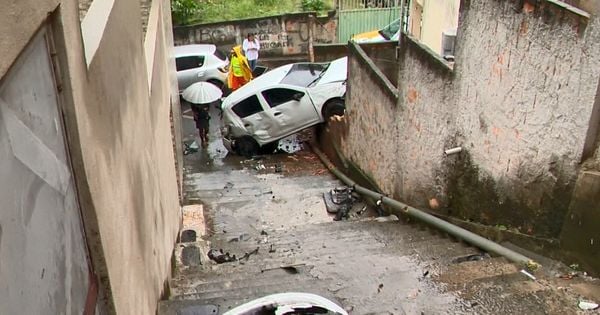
(246, 146)
(333, 107)
(269, 148)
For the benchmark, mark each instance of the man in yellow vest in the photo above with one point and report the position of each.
(239, 69)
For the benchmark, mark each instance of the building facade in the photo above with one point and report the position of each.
(90, 203)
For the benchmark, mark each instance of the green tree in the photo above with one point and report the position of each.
(313, 5)
(182, 11)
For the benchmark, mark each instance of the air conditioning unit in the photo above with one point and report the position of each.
(448, 39)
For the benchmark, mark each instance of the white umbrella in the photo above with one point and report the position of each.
(202, 93)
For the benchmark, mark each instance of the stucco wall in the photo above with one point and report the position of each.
(518, 102)
(526, 92)
(284, 35)
(119, 136)
(43, 259)
(125, 137)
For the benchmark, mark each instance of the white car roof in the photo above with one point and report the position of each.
(337, 71)
(193, 50)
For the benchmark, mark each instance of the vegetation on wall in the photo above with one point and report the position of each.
(183, 11)
(206, 11)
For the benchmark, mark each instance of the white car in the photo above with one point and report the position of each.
(197, 63)
(282, 102)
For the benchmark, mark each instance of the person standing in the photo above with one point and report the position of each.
(239, 69)
(251, 46)
(202, 118)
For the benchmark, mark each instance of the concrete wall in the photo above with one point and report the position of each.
(284, 35)
(519, 102)
(43, 259)
(116, 93)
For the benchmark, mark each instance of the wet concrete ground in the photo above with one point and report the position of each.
(368, 265)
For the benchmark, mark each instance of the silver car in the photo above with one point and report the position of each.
(200, 63)
(282, 102)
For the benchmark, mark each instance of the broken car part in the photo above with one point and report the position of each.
(288, 303)
(458, 232)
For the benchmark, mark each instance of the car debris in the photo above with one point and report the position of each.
(190, 148)
(587, 305)
(339, 201)
(219, 257)
(247, 255)
(473, 257)
(530, 276)
(290, 144)
(288, 303)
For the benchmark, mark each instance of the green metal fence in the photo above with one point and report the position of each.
(355, 18)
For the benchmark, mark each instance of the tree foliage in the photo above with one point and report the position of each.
(182, 11)
(313, 5)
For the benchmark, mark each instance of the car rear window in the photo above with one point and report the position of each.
(221, 55)
(247, 107)
(303, 74)
(189, 62)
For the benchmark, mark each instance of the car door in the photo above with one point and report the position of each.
(189, 70)
(255, 120)
(291, 109)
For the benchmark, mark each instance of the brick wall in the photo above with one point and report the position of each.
(518, 102)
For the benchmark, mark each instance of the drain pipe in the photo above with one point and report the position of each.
(458, 232)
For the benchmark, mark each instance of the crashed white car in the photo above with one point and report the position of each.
(282, 102)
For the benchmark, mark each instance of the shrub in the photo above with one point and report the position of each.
(182, 11)
(313, 5)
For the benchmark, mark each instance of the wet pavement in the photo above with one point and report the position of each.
(269, 213)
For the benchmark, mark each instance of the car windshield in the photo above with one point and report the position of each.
(305, 74)
(389, 31)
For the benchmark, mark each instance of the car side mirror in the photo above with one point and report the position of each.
(298, 96)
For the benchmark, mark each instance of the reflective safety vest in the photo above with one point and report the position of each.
(236, 67)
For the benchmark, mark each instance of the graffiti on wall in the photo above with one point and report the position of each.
(280, 35)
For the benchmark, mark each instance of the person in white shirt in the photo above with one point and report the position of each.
(251, 46)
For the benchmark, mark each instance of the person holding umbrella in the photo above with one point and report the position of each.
(200, 95)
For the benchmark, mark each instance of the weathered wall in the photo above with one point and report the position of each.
(581, 234)
(518, 102)
(283, 35)
(325, 52)
(384, 56)
(119, 136)
(43, 259)
(526, 91)
(370, 116)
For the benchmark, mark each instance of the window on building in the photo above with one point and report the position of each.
(189, 62)
(247, 107)
(279, 96)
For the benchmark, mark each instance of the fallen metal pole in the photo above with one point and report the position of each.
(458, 232)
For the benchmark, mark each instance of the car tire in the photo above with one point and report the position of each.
(333, 107)
(269, 148)
(246, 146)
